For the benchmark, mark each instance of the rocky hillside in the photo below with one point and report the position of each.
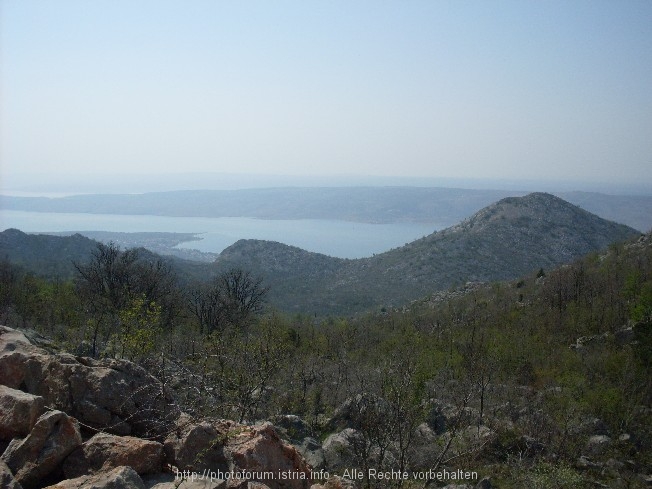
(538, 382)
(511, 237)
(502, 241)
(71, 422)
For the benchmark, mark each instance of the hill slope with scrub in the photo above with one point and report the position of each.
(542, 381)
(502, 241)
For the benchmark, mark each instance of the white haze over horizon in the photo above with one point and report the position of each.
(62, 185)
(120, 96)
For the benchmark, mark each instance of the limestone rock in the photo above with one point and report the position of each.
(354, 409)
(338, 452)
(583, 462)
(18, 412)
(120, 397)
(198, 446)
(597, 444)
(7, 480)
(425, 435)
(104, 452)
(313, 453)
(112, 395)
(291, 427)
(424, 447)
(118, 478)
(51, 440)
(259, 448)
(225, 446)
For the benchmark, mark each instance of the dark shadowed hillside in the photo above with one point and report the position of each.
(50, 256)
(45, 255)
(504, 240)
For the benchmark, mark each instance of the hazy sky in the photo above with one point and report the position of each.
(486, 89)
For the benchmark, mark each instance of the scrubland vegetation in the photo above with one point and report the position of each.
(545, 381)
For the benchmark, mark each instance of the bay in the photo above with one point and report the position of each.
(341, 239)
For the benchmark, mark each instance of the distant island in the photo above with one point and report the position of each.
(440, 206)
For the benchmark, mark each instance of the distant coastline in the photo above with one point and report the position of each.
(436, 206)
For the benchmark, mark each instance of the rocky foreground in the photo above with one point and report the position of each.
(73, 422)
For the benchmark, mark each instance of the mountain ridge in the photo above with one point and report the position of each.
(507, 239)
(502, 241)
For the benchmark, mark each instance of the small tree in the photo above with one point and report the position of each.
(9, 279)
(140, 325)
(231, 300)
(240, 367)
(112, 280)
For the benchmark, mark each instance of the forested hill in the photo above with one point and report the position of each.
(502, 241)
(45, 255)
(54, 257)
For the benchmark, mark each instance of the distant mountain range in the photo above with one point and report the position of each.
(441, 206)
(507, 239)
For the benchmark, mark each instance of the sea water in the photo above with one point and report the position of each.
(342, 239)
